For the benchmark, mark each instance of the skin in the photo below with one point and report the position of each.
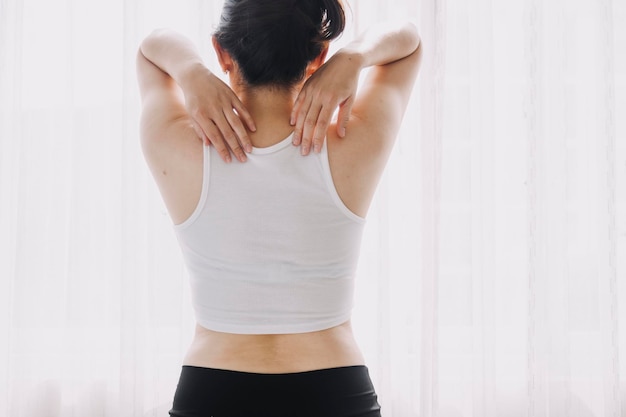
(184, 105)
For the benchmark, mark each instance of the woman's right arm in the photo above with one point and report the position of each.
(166, 56)
(394, 53)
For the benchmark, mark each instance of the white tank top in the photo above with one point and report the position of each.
(270, 248)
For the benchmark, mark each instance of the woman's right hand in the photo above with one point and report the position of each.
(333, 85)
(217, 113)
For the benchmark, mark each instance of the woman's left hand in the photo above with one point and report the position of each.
(333, 85)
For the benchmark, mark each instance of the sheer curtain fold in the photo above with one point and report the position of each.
(492, 278)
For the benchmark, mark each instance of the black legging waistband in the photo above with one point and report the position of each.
(335, 392)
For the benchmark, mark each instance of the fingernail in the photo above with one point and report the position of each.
(343, 131)
(317, 148)
(248, 148)
(304, 150)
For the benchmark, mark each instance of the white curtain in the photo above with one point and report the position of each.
(493, 273)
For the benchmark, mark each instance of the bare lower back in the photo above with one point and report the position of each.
(284, 353)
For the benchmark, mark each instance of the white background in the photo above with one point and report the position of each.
(492, 280)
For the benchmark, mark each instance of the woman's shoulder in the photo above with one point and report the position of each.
(174, 154)
(169, 142)
(356, 162)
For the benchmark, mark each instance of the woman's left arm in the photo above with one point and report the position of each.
(169, 62)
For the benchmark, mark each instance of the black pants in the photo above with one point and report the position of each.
(335, 392)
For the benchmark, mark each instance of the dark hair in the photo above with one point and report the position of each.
(273, 41)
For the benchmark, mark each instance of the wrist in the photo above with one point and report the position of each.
(190, 72)
(352, 57)
(350, 60)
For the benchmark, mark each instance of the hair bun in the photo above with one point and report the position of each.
(327, 14)
(273, 41)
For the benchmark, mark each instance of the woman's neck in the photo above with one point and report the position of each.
(270, 109)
